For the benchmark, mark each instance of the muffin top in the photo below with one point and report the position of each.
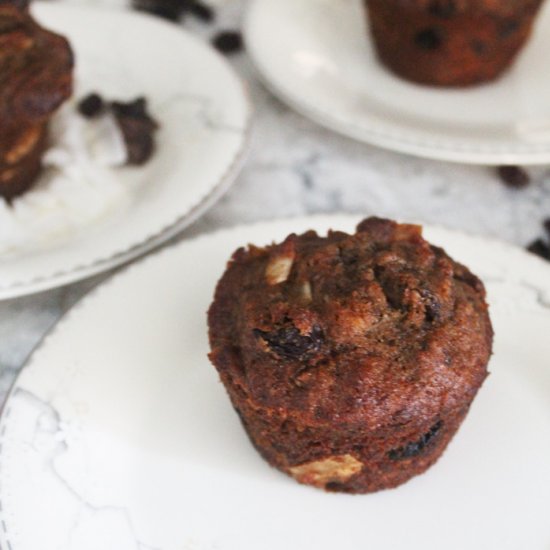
(35, 69)
(375, 328)
(448, 8)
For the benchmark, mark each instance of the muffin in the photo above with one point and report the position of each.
(351, 360)
(35, 79)
(450, 42)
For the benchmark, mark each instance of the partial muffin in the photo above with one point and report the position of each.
(450, 42)
(351, 359)
(35, 79)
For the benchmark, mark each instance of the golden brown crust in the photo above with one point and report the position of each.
(450, 42)
(370, 345)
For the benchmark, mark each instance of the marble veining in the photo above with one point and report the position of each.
(49, 439)
(296, 167)
(99, 467)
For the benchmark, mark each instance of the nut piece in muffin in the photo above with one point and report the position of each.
(351, 359)
(450, 42)
(35, 79)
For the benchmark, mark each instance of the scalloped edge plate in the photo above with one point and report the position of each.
(179, 187)
(118, 433)
(317, 57)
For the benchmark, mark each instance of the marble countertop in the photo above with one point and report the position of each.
(296, 167)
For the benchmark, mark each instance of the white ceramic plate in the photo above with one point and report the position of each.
(118, 434)
(204, 115)
(317, 56)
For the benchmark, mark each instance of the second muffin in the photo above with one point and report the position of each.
(351, 359)
(450, 42)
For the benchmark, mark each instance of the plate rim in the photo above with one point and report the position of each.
(460, 152)
(40, 283)
(329, 220)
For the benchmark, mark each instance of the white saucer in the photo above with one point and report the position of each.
(204, 115)
(118, 434)
(317, 56)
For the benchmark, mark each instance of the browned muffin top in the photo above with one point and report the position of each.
(35, 70)
(369, 328)
(448, 8)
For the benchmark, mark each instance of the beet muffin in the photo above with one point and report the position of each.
(350, 359)
(35, 79)
(450, 42)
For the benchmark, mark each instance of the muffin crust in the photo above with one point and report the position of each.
(351, 359)
(35, 79)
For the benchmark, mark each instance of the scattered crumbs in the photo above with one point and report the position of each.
(540, 248)
(137, 127)
(91, 106)
(515, 177)
(228, 42)
(172, 10)
(201, 11)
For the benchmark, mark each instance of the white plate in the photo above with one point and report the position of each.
(204, 115)
(118, 434)
(317, 56)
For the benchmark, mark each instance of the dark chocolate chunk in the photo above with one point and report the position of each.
(429, 39)
(479, 47)
(414, 449)
(137, 128)
(514, 176)
(91, 106)
(508, 27)
(445, 9)
(540, 248)
(289, 343)
(228, 42)
(201, 11)
(172, 10)
(432, 306)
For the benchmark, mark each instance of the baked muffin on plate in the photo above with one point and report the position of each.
(35, 79)
(450, 42)
(351, 359)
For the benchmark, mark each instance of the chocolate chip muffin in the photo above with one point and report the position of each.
(35, 79)
(450, 42)
(351, 359)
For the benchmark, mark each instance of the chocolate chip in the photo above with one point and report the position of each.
(432, 306)
(546, 224)
(91, 106)
(228, 42)
(289, 343)
(479, 47)
(507, 28)
(514, 176)
(414, 449)
(137, 128)
(445, 9)
(429, 39)
(201, 11)
(540, 248)
(136, 108)
(172, 10)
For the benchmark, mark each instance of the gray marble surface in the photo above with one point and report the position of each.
(295, 167)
